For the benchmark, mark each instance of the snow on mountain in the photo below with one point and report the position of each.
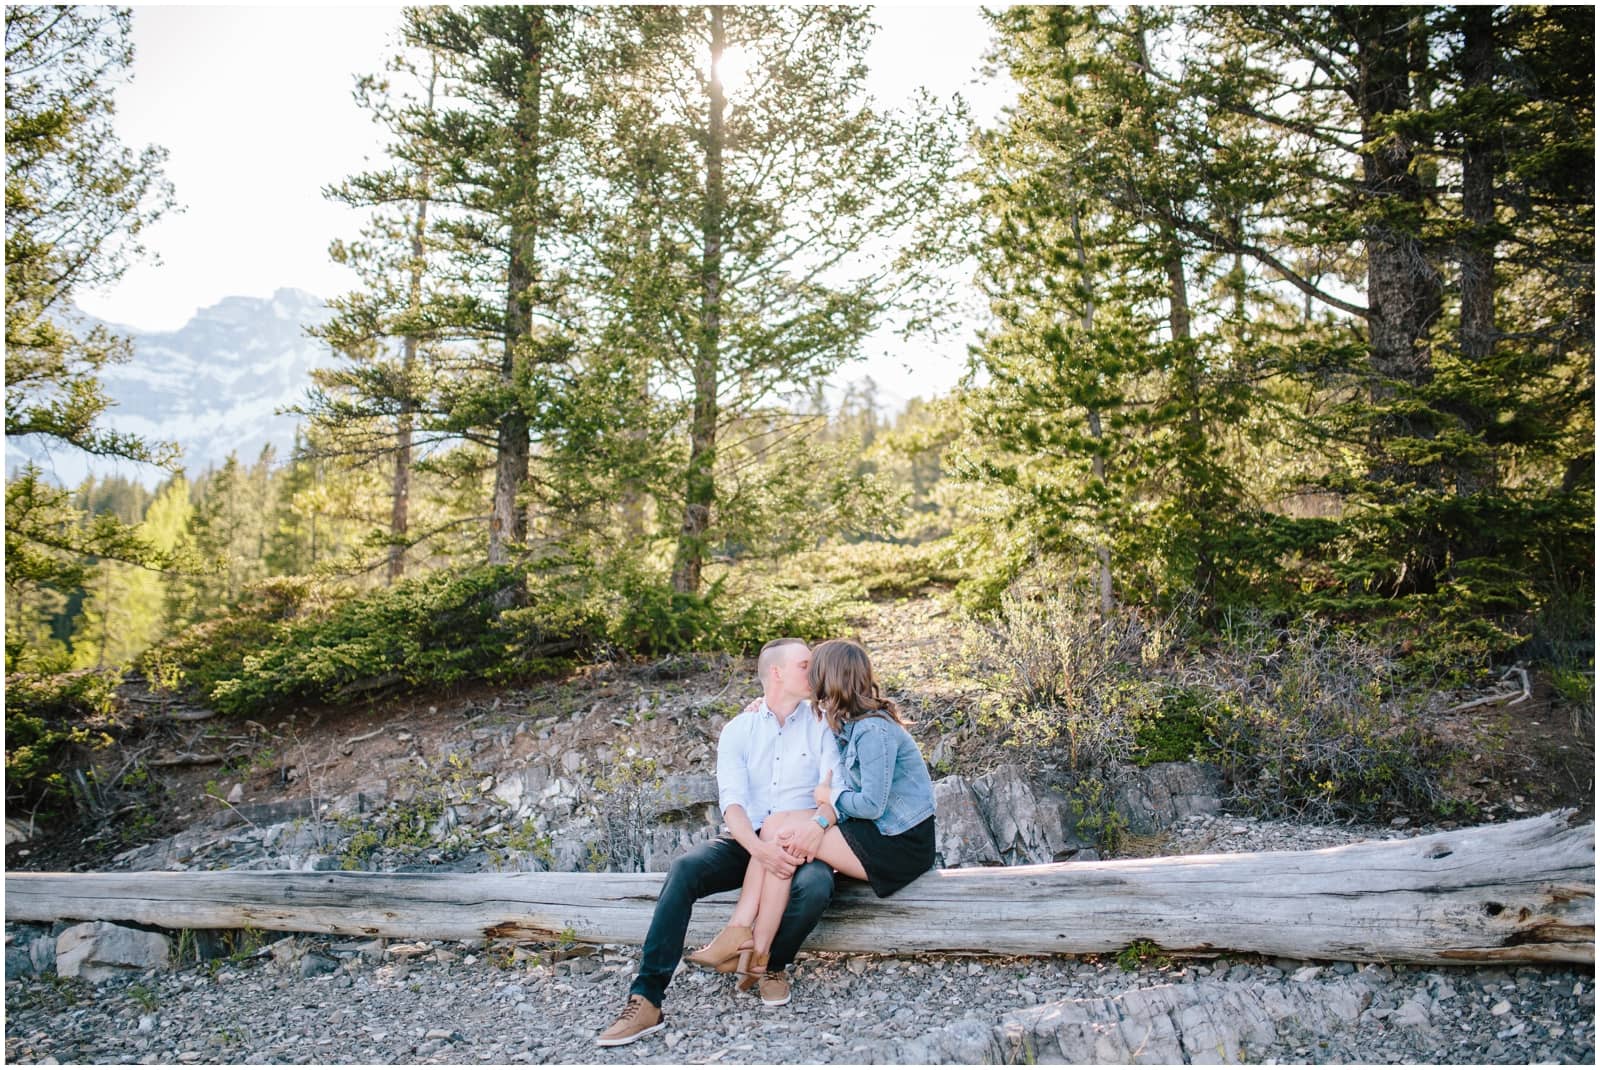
(213, 386)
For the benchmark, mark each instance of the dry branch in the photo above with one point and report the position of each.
(187, 759)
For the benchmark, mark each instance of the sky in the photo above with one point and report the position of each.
(254, 107)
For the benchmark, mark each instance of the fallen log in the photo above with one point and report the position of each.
(1518, 892)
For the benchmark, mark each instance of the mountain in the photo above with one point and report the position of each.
(213, 386)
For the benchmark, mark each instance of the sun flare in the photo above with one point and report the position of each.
(734, 68)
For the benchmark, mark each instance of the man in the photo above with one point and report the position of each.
(769, 759)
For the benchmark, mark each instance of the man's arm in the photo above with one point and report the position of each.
(733, 795)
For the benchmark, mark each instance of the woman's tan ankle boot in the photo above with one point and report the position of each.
(752, 971)
(722, 953)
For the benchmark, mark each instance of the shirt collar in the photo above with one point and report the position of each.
(766, 711)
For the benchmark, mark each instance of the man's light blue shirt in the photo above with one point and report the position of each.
(767, 768)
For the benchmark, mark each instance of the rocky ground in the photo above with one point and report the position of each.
(320, 999)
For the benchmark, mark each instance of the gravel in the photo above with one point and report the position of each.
(442, 1002)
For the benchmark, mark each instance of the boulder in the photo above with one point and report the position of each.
(667, 840)
(1155, 798)
(99, 951)
(961, 833)
(1029, 822)
(686, 793)
(19, 963)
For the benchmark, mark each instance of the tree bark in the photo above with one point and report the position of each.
(700, 490)
(1097, 467)
(508, 525)
(1477, 331)
(1404, 293)
(1518, 892)
(400, 511)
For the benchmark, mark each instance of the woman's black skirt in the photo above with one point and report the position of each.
(891, 862)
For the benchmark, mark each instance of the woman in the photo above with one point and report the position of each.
(879, 829)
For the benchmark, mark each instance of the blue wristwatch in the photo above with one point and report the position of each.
(820, 820)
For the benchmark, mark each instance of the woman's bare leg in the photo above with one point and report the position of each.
(835, 850)
(774, 893)
(744, 911)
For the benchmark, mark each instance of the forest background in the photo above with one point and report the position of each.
(1286, 346)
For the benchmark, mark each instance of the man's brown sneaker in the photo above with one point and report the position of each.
(774, 988)
(638, 1019)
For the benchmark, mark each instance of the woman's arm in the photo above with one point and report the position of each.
(875, 752)
(823, 795)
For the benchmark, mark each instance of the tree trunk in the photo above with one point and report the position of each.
(1477, 333)
(508, 525)
(1097, 467)
(399, 517)
(700, 489)
(1403, 286)
(1192, 430)
(1518, 892)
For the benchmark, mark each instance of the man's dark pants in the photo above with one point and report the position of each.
(719, 866)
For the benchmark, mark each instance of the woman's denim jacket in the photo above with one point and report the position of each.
(886, 780)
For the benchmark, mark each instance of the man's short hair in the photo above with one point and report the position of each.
(769, 655)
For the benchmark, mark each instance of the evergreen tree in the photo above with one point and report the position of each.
(1447, 156)
(1107, 395)
(230, 532)
(126, 609)
(771, 219)
(367, 411)
(1160, 210)
(505, 142)
(76, 202)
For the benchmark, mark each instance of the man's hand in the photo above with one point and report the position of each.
(802, 843)
(824, 793)
(777, 861)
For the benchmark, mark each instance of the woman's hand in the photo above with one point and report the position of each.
(824, 793)
(755, 704)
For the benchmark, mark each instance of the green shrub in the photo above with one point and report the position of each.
(204, 655)
(737, 613)
(881, 569)
(1059, 674)
(1307, 723)
(434, 631)
(48, 717)
(1174, 732)
(655, 619)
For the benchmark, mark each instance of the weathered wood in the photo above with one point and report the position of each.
(1518, 892)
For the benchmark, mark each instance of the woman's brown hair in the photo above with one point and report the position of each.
(842, 681)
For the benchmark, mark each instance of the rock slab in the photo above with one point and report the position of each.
(100, 951)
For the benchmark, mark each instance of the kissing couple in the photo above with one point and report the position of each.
(818, 777)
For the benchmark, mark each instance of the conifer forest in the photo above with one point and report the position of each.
(1280, 325)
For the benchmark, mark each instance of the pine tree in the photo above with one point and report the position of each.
(1447, 156)
(1107, 398)
(367, 411)
(76, 202)
(514, 79)
(126, 609)
(756, 210)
